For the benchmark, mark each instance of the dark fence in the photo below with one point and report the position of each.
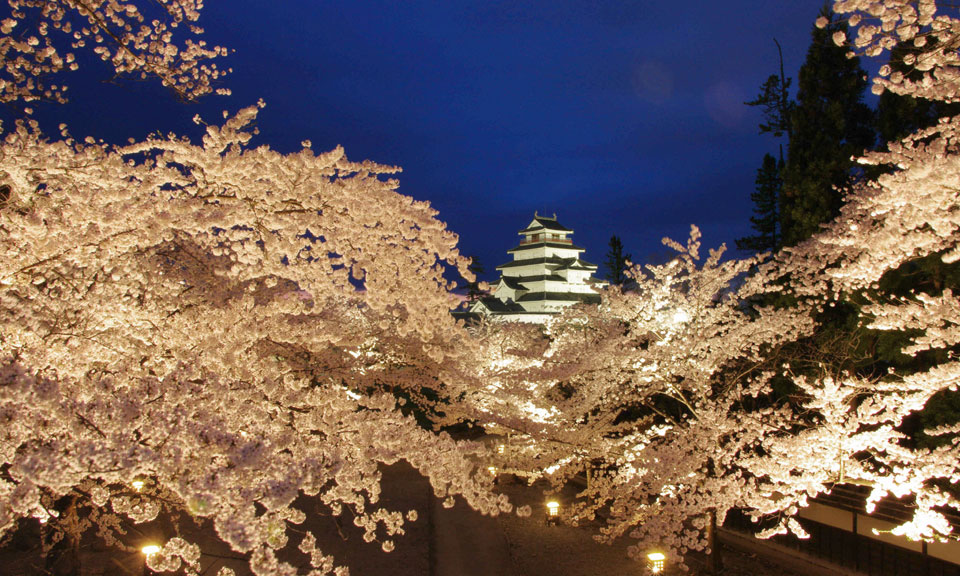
(853, 551)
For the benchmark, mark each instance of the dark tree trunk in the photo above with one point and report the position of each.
(63, 559)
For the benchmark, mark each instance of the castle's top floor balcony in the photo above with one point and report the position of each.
(535, 238)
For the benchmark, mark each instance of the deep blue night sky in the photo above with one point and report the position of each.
(622, 117)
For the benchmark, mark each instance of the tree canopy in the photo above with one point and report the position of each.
(230, 328)
(830, 124)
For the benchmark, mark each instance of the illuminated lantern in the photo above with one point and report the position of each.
(553, 510)
(150, 550)
(656, 562)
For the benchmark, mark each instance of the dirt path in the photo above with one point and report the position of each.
(466, 543)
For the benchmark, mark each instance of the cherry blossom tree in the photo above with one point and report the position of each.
(881, 25)
(909, 212)
(213, 328)
(668, 390)
(224, 324)
(650, 394)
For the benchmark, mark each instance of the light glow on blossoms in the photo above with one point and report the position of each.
(539, 414)
(680, 316)
(140, 245)
(927, 525)
(150, 550)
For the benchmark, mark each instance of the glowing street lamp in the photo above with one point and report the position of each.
(492, 470)
(501, 448)
(656, 562)
(138, 486)
(148, 551)
(553, 511)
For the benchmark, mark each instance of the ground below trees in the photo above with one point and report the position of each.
(442, 542)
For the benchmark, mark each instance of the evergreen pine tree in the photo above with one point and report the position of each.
(766, 219)
(829, 124)
(774, 99)
(616, 262)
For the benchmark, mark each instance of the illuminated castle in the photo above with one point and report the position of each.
(545, 276)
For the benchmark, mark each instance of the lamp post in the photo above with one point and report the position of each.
(553, 511)
(148, 550)
(656, 561)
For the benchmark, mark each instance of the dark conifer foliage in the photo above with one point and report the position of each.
(830, 124)
(774, 100)
(616, 263)
(766, 218)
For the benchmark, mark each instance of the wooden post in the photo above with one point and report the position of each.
(714, 562)
(856, 543)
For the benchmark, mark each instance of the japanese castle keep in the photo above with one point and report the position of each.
(545, 276)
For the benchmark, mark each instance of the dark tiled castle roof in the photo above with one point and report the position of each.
(542, 243)
(548, 223)
(560, 296)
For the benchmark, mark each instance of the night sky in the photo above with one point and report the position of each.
(622, 118)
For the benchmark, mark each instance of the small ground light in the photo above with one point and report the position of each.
(656, 562)
(492, 470)
(501, 448)
(137, 485)
(553, 508)
(150, 550)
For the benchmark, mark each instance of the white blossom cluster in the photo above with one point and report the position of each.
(228, 326)
(134, 39)
(882, 24)
(656, 349)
